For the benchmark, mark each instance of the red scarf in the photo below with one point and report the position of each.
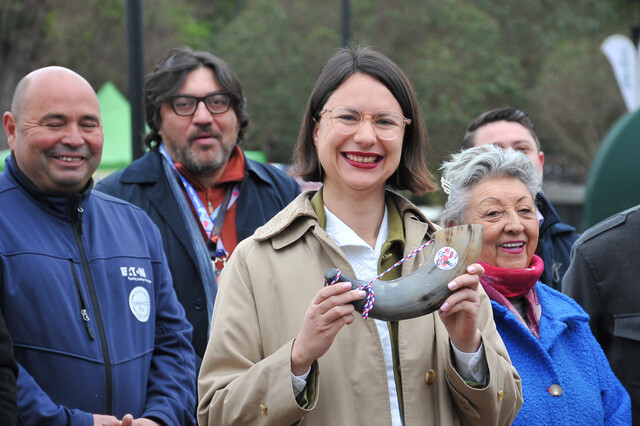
(501, 284)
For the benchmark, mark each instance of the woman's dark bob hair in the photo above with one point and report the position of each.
(412, 173)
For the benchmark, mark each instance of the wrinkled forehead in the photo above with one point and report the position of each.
(500, 190)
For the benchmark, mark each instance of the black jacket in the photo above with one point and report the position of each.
(603, 278)
(554, 244)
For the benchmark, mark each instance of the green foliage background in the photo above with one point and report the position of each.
(463, 57)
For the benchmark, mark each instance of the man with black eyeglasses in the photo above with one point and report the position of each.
(195, 182)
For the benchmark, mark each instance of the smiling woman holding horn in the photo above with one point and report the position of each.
(284, 349)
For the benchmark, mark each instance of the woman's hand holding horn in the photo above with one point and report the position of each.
(459, 312)
(330, 310)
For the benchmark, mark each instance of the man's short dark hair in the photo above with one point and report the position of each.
(510, 114)
(169, 75)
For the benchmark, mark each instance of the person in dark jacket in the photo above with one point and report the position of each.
(195, 182)
(8, 375)
(98, 332)
(509, 127)
(601, 278)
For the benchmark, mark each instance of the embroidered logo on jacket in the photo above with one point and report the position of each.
(140, 303)
(134, 273)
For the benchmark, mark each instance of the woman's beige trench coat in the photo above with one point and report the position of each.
(263, 295)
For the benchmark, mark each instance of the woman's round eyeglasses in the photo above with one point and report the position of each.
(347, 120)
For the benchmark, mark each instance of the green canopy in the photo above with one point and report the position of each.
(256, 156)
(3, 155)
(116, 122)
(614, 178)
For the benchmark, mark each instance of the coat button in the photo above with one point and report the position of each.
(500, 395)
(555, 390)
(430, 377)
(263, 409)
(198, 304)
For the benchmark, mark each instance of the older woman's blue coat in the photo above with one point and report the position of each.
(567, 355)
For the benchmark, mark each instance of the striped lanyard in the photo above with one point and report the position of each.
(212, 223)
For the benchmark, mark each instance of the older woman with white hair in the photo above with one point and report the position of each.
(566, 378)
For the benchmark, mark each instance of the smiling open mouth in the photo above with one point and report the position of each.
(512, 245)
(365, 159)
(68, 159)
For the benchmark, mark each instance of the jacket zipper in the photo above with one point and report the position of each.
(83, 303)
(77, 232)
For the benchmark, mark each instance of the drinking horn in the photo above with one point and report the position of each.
(424, 290)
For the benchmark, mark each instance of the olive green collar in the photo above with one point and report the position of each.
(318, 206)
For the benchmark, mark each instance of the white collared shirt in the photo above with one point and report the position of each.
(364, 261)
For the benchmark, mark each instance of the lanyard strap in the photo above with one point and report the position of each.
(212, 223)
(193, 236)
(219, 220)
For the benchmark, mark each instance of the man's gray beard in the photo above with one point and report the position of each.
(197, 167)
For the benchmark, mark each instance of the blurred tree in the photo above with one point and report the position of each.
(463, 57)
(574, 109)
(22, 30)
(277, 52)
(91, 39)
(456, 70)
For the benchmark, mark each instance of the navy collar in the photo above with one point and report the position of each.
(61, 204)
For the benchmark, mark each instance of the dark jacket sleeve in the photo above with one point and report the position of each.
(38, 408)
(580, 284)
(171, 392)
(8, 378)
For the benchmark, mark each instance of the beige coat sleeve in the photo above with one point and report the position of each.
(237, 383)
(499, 402)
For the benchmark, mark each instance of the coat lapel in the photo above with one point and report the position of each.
(149, 170)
